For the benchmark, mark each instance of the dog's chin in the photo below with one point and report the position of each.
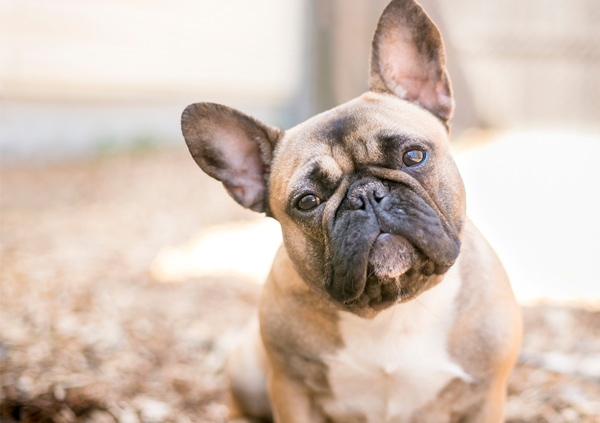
(397, 272)
(391, 256)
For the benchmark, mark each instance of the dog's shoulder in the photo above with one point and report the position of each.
(488, 317)
(295, 329)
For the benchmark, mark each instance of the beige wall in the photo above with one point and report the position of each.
(79, 77)
(122, 49)
(75, 73)
(529, 63)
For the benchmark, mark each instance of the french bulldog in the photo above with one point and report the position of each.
(385, 303)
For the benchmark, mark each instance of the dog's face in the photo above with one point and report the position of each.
(370, 202)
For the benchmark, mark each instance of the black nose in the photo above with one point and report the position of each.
(365, 191)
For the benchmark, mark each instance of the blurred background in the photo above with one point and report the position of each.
(119, 294)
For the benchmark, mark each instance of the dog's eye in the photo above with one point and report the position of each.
(308, 202)
(413, 157)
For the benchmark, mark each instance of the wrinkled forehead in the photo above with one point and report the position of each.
(354, 135)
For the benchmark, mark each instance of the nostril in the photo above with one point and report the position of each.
(379, 194)
(356, 203)
(364, 193)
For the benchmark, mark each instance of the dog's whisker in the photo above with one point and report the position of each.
(423, 305)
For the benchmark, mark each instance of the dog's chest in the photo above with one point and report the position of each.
(393, 364)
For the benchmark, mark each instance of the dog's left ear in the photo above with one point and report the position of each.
(408, 59)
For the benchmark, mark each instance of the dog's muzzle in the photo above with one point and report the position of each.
(384, 240)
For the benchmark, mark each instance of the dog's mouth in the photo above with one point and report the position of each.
(395, 273)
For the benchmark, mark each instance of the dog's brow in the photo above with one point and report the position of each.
(392, 141)
(316, 174)
(338, 129)
(393, 138)
(321, 176)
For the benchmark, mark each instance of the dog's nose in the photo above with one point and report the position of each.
(365, 191)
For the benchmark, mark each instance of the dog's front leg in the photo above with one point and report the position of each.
(492, 407)
(291, 402)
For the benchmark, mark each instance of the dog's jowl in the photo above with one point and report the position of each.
(385, 303)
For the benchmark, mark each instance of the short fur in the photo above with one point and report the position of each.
(385, 303)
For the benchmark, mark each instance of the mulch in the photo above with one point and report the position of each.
(88, 336)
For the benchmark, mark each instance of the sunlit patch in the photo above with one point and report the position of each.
(540, 214)
(243, 249)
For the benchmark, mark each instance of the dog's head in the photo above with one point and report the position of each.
(370, 202)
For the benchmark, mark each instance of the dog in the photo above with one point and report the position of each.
(385, 303)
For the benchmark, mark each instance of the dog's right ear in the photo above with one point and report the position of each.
(233, 148)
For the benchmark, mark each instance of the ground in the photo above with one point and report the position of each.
(90, 335)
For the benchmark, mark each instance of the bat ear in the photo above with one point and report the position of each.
(233, 148)
(408, 59)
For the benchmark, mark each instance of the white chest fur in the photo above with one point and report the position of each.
(395, 363)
